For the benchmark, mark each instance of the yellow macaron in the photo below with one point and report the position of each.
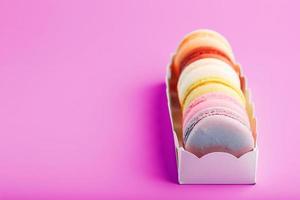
(206, 69)
(212, 85)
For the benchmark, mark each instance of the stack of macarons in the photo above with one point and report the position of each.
(213, 105)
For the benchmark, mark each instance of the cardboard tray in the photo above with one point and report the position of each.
(217, 167)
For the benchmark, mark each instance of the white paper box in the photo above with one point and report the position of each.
(213, 168)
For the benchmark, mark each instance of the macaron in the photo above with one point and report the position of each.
(210, 86)
(207, 69)
(210, 100)
(203, 44)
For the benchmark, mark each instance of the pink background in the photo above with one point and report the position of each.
(83, 111)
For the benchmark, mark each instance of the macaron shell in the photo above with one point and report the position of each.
(208, 68)
(204, 33)
(211, 111)
(213, 87)
(219, 133)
